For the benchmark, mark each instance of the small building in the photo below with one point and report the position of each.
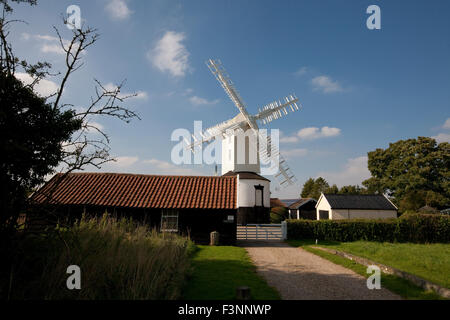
(189, 205)
(344, 206)
(304, 208)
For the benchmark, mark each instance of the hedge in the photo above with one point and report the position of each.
(416, 228)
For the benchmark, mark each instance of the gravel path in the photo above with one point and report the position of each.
(299, 275)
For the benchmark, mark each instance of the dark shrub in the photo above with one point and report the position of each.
(418, 228)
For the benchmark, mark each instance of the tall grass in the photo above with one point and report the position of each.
(118, 258)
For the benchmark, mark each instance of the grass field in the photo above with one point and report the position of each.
(429, 261)
(218, 271)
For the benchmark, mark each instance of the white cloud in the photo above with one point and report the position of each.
(311, 133)
(294, 153)
(52, 48)
(25, 36)
(164, 167)
(141, 95)
(44, 88)
(308, 133)
(354, 172)
(96, 125)
(446, 124)
(46, 37)
(170, 55)
(301, 71)
(118, 9)
(442, 137)
(289, 139)
(197, 101)
(50, 44)
(329, 132)
(316, 133)
(124, 162)
(326, 85)
(187, 92)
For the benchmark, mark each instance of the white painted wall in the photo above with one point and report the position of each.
(322, 204)
(246, 192)
(362, 214)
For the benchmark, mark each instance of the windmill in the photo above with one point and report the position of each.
(241, 123)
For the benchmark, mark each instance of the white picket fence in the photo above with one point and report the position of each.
(262, 231)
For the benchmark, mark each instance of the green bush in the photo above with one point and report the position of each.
(417, 228)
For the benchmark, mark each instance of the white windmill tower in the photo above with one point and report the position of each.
(242, 154)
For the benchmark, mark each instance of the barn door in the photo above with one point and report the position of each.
(324, 215)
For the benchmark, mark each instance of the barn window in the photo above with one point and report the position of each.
(169, 220)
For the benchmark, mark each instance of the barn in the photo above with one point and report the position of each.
(194, 205)
(345, 206)
(304, 208)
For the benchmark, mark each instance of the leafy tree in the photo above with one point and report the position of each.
(333, 189)
(32, 133)
(414, 172)
(313, 188)
(308, 187)
(352, 190)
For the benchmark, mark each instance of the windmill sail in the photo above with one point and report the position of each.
(221, 75)
(277, 109)
(244, 121)
(222, 130)
(269, 153)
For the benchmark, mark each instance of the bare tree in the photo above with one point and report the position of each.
(88, 146)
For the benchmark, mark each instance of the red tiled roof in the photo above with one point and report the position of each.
(140, 191)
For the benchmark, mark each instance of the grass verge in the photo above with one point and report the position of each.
(218, 270)
(397, 285)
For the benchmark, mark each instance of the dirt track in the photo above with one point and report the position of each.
(299, 275)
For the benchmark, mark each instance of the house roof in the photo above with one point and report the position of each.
(245, 175)
(275, 202)
(288, 202)
(140, 191)
(300, 202)
(365, 201)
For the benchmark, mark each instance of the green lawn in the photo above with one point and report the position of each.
(218, 270)
(429, 261)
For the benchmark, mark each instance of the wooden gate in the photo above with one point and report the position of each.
(262, 231)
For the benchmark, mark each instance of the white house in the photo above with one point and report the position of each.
(343, 206)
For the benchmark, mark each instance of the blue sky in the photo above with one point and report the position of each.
(360, 88)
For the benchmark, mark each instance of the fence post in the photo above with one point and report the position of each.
(284, 230)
